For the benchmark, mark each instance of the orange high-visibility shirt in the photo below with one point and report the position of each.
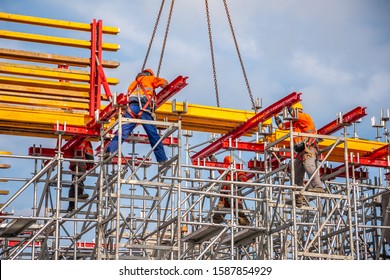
(304, 124)
(149, 83)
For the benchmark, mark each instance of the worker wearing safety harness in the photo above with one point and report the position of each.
(83, 151)
(305, 147)
(141, 106)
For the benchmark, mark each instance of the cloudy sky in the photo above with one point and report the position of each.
(337, 52)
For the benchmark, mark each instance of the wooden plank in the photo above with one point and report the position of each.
(44, 96)
(4, 166)
(52, 40)
(50, 73)
(55, 23)
(4, 192)
(52, 58)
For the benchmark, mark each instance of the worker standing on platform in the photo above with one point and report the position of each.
(141, 94)
(305, 147)
(224, 202)
(84, 151)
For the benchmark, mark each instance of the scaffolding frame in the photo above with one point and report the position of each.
(140, 210)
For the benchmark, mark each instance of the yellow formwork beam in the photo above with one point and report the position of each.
(45, 84)
(55, 23)
(16, 89)
(42, 116)
(206, 118)
(50, 73)
(43, 102)
(355, 146)
(36, 38)
(52, 58)
(44, 97)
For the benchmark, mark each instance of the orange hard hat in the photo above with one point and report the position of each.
(149, 71)
(297, 106)
(226, 160)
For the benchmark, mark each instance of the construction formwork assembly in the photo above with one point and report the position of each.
(139, 209)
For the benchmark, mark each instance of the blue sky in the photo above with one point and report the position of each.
(336, 52)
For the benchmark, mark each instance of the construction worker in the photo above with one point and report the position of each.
(83, 151)
(224, 202)
(305, 147)
(141, 94)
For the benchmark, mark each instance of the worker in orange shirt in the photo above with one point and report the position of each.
(305, 147)
(83, 151)
(141, 94)
(224, 202)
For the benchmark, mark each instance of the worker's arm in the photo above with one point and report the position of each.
(159, 82)
(280, 124)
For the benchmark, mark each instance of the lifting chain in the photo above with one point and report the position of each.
(239, 56)
(153, 34)
(212, 52)
(165, 37)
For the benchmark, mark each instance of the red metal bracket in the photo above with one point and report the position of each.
(170, 90)
(248, 125)
(243, 146)
(350, 117)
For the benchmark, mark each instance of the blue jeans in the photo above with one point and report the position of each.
(150, 130)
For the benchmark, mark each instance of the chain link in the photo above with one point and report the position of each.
(212, 52)
(153, 34)
(239, 56)
(165, 37)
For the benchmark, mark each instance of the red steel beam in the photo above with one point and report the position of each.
(250, 124)
(93, 127)
(350, 117)
(170, 90)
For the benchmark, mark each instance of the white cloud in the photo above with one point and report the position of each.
(313, 67)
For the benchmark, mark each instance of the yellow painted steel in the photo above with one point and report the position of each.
(52, 58)
(36, 38)
(5, 153)
(55, 23)
(52, 73)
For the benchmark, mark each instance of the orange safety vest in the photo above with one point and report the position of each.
(304, 124)
(148, 85)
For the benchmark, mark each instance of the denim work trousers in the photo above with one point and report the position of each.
(306, 161)
(150, 130)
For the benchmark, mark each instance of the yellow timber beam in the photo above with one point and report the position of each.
(52, 58)
(16, 89)
(41, 101)
(36, 38)
(355, 146)
(45, 84)
(49, 73)
(55, 23)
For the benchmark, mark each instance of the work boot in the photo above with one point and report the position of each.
(83, 196)
(243, 220)
(298, 201)
(218, 218)
(316, 190)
